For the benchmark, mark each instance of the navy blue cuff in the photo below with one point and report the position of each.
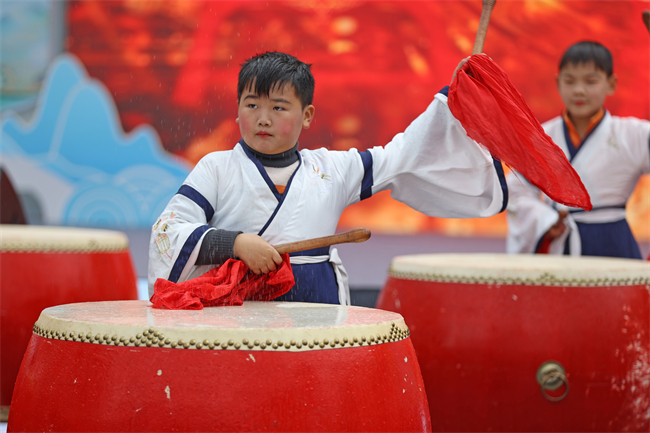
(502, 180)
(444, 91)
(185, 253)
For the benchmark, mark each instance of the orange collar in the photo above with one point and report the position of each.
(576, 140)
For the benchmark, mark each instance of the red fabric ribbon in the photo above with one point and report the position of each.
(229, 284)
(495, 114)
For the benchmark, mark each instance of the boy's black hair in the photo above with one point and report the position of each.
(587, 52)
(272, 69)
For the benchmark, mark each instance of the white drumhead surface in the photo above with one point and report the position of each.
(521, 269)
(306, 325)
(29, 238)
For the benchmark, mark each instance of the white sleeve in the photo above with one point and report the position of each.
(435, 168)
(177, 234)
(529, 218)
(638, 132)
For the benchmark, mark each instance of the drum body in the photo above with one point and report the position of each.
(44, 266)
(528, 343)
(263, 366)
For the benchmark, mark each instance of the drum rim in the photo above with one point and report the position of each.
(521, 269)
(44, 239)
(278, 339)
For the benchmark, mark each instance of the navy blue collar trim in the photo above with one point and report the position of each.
(270, 184)
(573, 151)
(265, 175)
(280, 160)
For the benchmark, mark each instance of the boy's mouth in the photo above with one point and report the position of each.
(263, 134)
(579, 103)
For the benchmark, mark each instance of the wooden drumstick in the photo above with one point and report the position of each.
(354, 235)
(488, 5)
(646, 19)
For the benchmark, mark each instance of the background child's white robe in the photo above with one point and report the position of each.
(609, 162)
(433, 167)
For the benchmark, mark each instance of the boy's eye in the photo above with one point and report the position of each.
(278, 108)
(252, 106)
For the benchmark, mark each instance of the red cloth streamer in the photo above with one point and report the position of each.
(229, 284)
(495, 114)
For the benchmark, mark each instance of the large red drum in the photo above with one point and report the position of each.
(528, 343)
(263, 366)
(42, 266)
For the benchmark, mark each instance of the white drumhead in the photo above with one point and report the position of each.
(29, 238)
(530, 269)
(253, 326)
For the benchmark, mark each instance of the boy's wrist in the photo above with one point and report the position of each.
(217, 247)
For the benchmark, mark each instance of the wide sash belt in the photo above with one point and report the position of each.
(596, 216)
(339, 270)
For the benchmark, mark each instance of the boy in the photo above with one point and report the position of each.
(608, 152)
(265, 191)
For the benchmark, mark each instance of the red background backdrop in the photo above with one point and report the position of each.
(377, 65)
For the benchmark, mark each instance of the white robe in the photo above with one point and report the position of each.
(609, 163)
(433, 166)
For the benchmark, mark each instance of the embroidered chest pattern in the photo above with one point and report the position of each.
(321, 177)
(612, 142)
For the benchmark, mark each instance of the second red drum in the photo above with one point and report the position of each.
(528, 343)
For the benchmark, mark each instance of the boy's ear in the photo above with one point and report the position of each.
(612, 81)
(237, 120)
(308, 116)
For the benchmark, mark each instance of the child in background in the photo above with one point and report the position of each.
(266, 191)
(609, 153)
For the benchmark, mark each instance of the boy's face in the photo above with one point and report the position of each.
(584, 88)
(272, 124)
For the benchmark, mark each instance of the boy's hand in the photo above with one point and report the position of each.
(256, 253)
(460, 65)
(558, 228)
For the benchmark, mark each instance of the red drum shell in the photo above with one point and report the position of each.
(80, 386)
(45, 266)
(482, 325)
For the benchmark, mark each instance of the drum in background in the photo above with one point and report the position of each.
(528, 343)
(43, 266)
(263, 366)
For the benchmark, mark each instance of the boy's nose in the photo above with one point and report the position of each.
(578, 88)
(264, 118)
